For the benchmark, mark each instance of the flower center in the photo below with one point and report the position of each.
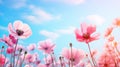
(19, 32)
(86, 36)
(72, 59)
(106, 65)
(46, 48)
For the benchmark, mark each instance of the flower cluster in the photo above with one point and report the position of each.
(12, 54)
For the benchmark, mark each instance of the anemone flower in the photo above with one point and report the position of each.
(46, 46)
(10, 50)
(75, 56)
(19, 29)
(2, 60)
(106, 60)
(85, 34)
(31, 47)
(108, 31)
(9, 40)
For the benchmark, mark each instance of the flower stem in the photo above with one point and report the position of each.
(23, 58)
(18, 57)
(14, 53)
(91, 55)
(71, 55)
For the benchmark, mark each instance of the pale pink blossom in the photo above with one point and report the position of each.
(31, 47)
(86, 33)
(30, 58)
(75, 56)
(49, 59)
(108, 31)
(110, 38)
(106, 60)
(20, 29)
(93, 53)
(46, 46)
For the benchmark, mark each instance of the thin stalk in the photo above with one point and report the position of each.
(89, 60)
(14, 53)
(71, 55)
(23, 58)
(91, 55)
(18, 57)
(60, 58)
(52, 61)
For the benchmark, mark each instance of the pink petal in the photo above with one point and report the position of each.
(11, 30)
(18, 25)
(79, 37)
(91, 29)
(84, 28)
(25, 27)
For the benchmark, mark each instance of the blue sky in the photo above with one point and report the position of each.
(57, 19)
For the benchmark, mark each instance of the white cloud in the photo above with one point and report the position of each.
(3, 28)
(49, 35)
(17, 3)
(38, 15)
(69, 30)
(98, 20)
(57, 33)
(70, 2)
(74, 2)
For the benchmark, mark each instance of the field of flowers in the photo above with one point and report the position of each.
(14, 55)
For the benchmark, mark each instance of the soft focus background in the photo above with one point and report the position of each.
(57, 19)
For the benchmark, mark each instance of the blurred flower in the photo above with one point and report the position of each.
(105, 60)
(93, 53)
(20, 29)
(46, 46)
(2, 60)
(75, 57)
(108, 31)
(110, 38)
(10, 50)
(117, 22)
(41, 65)
(28, 65)
(30, 58)
(31, 47)
(85, 34)
(9, 40)
(49, 59)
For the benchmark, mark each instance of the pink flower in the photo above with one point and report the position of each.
(2, 60)
(117, 22)
(108, 31)
(8, 40)
(46, 46)
(106, 60)
(29, 58)
(31, 47)
(20, 29)
(48, 59)
(75, 57)
(110, 38)
(10, 50)
(85, 34)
